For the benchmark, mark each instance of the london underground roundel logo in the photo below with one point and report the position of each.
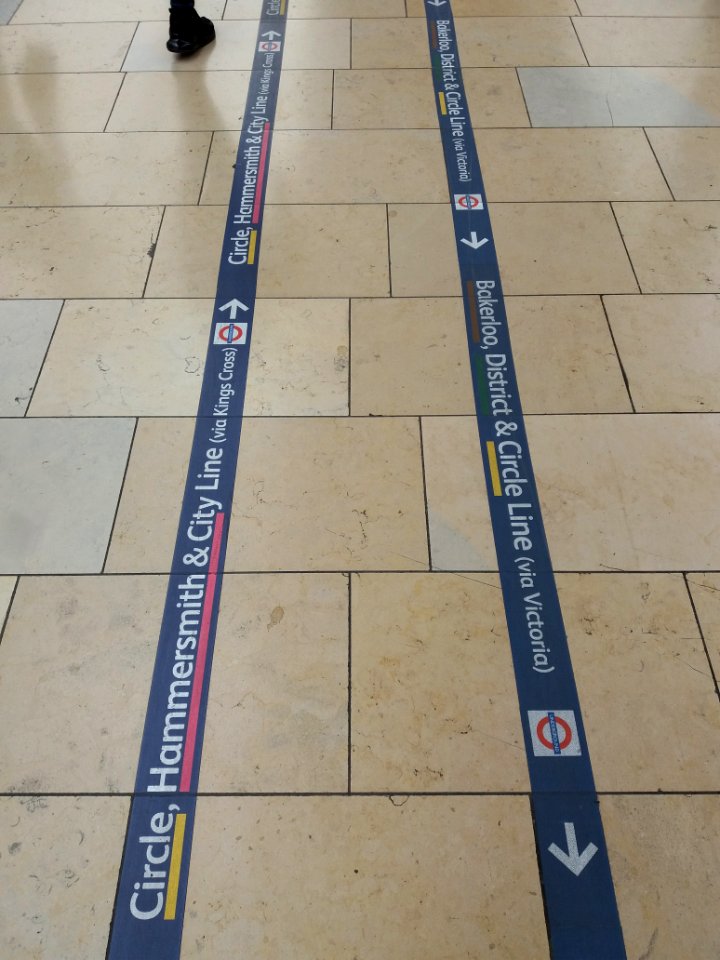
(554, 733)
(230, 334)
(468, 201)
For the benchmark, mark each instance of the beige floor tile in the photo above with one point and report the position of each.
(579, 164)
(586, 255)
(7, 585)
(458, 518)
(146, 358)
(314, 9)
(146, 525)
(87, 169)
(501, 8)
(65, 48)
(59, 874)
(307, 251)
(367, 99)
(415, 879)
(518, 41)
(319, 494)
(411, 357)
(59, 488)
(329, 495)
(639, 495)
(340, 166)
(484, 42)
(309, 45)
(648, 8)
(47, 103)
(64, 637)
(56, 252)
(670, 349)
(664, 855)
(564, 356)
(434, 705)
(674, 247)
(79, 11)
(278, 708)
(705, 590)
(644, 681)
(216, 101)
(689, 161)
(647, 41)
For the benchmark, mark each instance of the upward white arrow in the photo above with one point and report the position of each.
(233, 306)
(573, 859)
(271, 34)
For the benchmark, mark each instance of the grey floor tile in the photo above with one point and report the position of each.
(7, 9)
(621, 96)
(59, 485)
(25, 330)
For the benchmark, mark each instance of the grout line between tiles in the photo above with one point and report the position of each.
(425, 494)
(123, 854)
(120, 495)
(657, 161)
(623, 371)
(112, 110)
(205, 171)
(349, 359)
(127, 52)
(152, 250)
(357, 794)
(395, 571)
(582, 48)
(702, 633)
(349, 698)
(389, 250)
(42, 365)
(9, 608)
(622, 237)
(525, 104)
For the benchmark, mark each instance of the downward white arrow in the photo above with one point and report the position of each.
(233, 306)
(473, 241)
(271, 34)
(573, 859)
(436, 3)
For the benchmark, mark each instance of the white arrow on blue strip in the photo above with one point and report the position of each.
(271, 34)
(233, 306)
(573, 859)
(436, 3)
(473, 241)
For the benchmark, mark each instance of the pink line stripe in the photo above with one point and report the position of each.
(201, 659)
(261, 173)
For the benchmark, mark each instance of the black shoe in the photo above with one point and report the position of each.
(189, 31)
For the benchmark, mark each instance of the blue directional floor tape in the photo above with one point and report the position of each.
(580, 903)
(152, 888)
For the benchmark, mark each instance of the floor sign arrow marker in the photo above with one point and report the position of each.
(473, 241)
(436, 3)
(233, 306)
(573, 859)
(271, 33)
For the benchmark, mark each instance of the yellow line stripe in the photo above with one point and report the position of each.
(443, 105)
(282, 7)
(175, 861)
(253, 244)
(494, 472)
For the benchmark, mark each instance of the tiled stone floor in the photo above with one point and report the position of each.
(364, 791)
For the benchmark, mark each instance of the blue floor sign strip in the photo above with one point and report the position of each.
(580, 901)
(150, 904)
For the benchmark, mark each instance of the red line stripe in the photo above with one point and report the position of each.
(201, 659)
(261, 173)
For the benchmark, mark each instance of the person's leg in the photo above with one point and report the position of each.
(188, 30)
